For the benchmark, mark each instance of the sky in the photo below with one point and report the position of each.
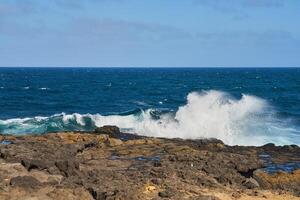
(150, 33)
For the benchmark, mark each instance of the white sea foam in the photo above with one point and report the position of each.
(43, 88)
(209, 114)
(141, 103)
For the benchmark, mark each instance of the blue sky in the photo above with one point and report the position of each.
(150, 33)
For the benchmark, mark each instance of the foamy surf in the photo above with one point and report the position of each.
(209, 114)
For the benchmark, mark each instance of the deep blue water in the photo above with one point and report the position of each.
(48, 92)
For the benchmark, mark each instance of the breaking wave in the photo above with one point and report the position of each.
(210, 114)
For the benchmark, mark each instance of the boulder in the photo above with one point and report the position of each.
(25, 182)
(111, 131)
(30, 164)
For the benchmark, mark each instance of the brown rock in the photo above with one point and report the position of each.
(69, 194)
(114, 165)
(206, 197)
(279, 180)
(114, 142)
(67, 167)
(251, 183)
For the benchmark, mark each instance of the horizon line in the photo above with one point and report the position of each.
(170, 67)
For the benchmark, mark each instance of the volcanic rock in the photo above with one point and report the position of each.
(109, 164)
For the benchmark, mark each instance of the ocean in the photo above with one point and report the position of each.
(240, 106)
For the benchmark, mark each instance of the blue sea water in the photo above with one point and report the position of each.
(249, 106)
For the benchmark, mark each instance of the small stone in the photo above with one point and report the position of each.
(164, 194)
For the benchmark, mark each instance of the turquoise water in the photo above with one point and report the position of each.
(249, 106)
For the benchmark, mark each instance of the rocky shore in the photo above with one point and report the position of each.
(108, 164)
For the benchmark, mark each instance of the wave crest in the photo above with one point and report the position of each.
(210, 114)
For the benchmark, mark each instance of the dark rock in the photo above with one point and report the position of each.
(89, 145)
(30, 164)
(156, 181)
(25, 181)
(290, 147)
(204, 181)
(165, 194)
(104, 167)
(104, 195)
(96, 194)
(157, 164)
(209, 141)
(295, 146)
(112, 131)
(269, 146)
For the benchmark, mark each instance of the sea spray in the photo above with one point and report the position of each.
(209, 114)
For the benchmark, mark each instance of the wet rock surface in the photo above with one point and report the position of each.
(108, 164)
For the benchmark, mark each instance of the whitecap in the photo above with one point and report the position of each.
(141, 103)
(44, 88)
(248, 120)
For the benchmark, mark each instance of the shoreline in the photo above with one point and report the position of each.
(108, 164)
